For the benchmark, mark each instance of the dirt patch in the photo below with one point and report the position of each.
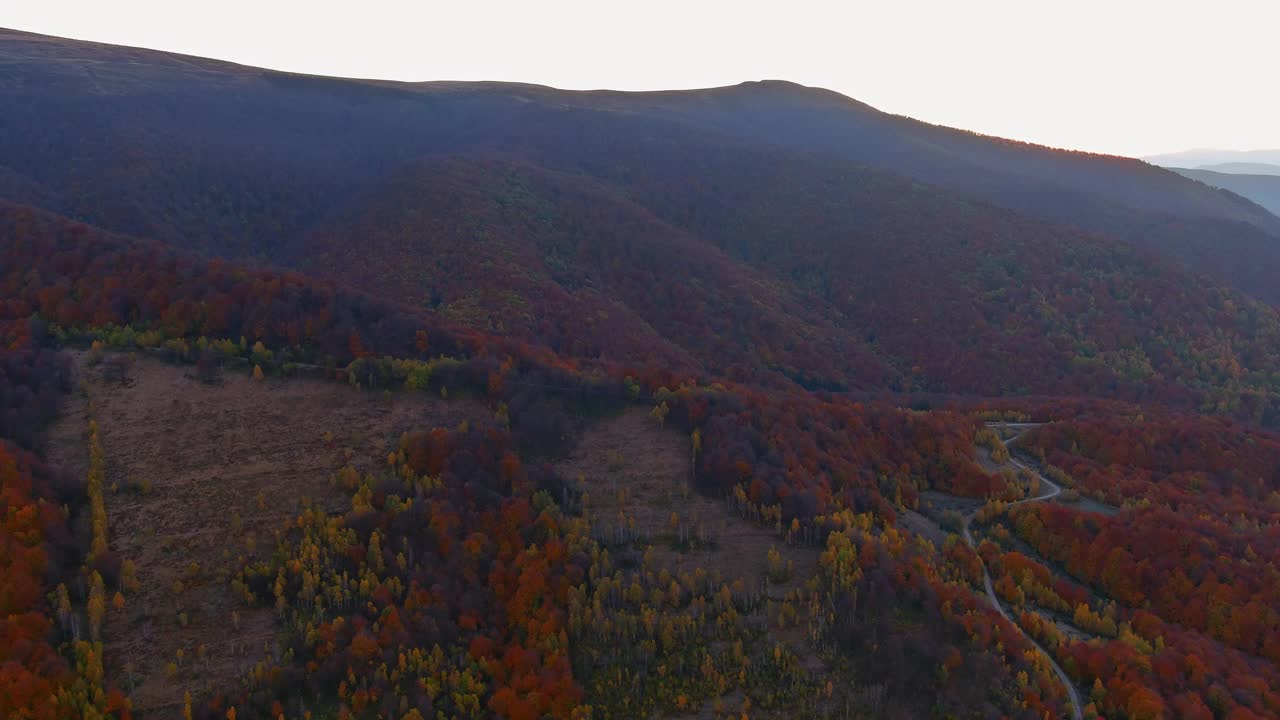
(988, 463)
(1065, 626)
(629, 464)
(920, 525)
(934, 504)
(204, 474)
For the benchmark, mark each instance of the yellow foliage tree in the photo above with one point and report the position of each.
(97, 605)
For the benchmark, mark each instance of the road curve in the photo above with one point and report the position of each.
(1077, 711)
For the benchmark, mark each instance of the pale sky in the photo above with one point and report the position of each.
(1131, 77)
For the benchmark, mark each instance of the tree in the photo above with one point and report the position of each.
(97, 605)
(660, 412)
(1145, 704)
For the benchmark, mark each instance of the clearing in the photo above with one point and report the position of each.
(630, 466)
(200, 474)
(628, 463)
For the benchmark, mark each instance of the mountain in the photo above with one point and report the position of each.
(1243, 168)
(1048, 182)
(240, 161)
(768, 233)
(1263, 189)
(1202, 157)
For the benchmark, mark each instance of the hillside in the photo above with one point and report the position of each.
(593, 598)
(637, 228)
(965, 297)
(576, 264)
(1263, 189)
(994, 169)
(238, 161)
(879, 285)
(479, 509)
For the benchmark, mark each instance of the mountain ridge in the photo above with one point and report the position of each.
(1209, 156)
(312, 139)
(1242, 168)
(817, 252)
(1262, 189)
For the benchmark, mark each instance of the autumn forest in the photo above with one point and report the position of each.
(326, 398)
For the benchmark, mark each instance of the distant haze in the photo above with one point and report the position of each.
(1216, 159)
(1243, 168)
(1131, 78)
(1262, 188)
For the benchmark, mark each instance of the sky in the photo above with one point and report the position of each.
(1129, 77)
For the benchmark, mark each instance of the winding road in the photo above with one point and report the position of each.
(1077, 712)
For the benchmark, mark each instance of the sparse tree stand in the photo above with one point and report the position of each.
(97, 606)
(660, 412)
(81, 693)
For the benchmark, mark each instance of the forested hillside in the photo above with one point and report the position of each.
(643, 229)
(238, 160)
(136, 295)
